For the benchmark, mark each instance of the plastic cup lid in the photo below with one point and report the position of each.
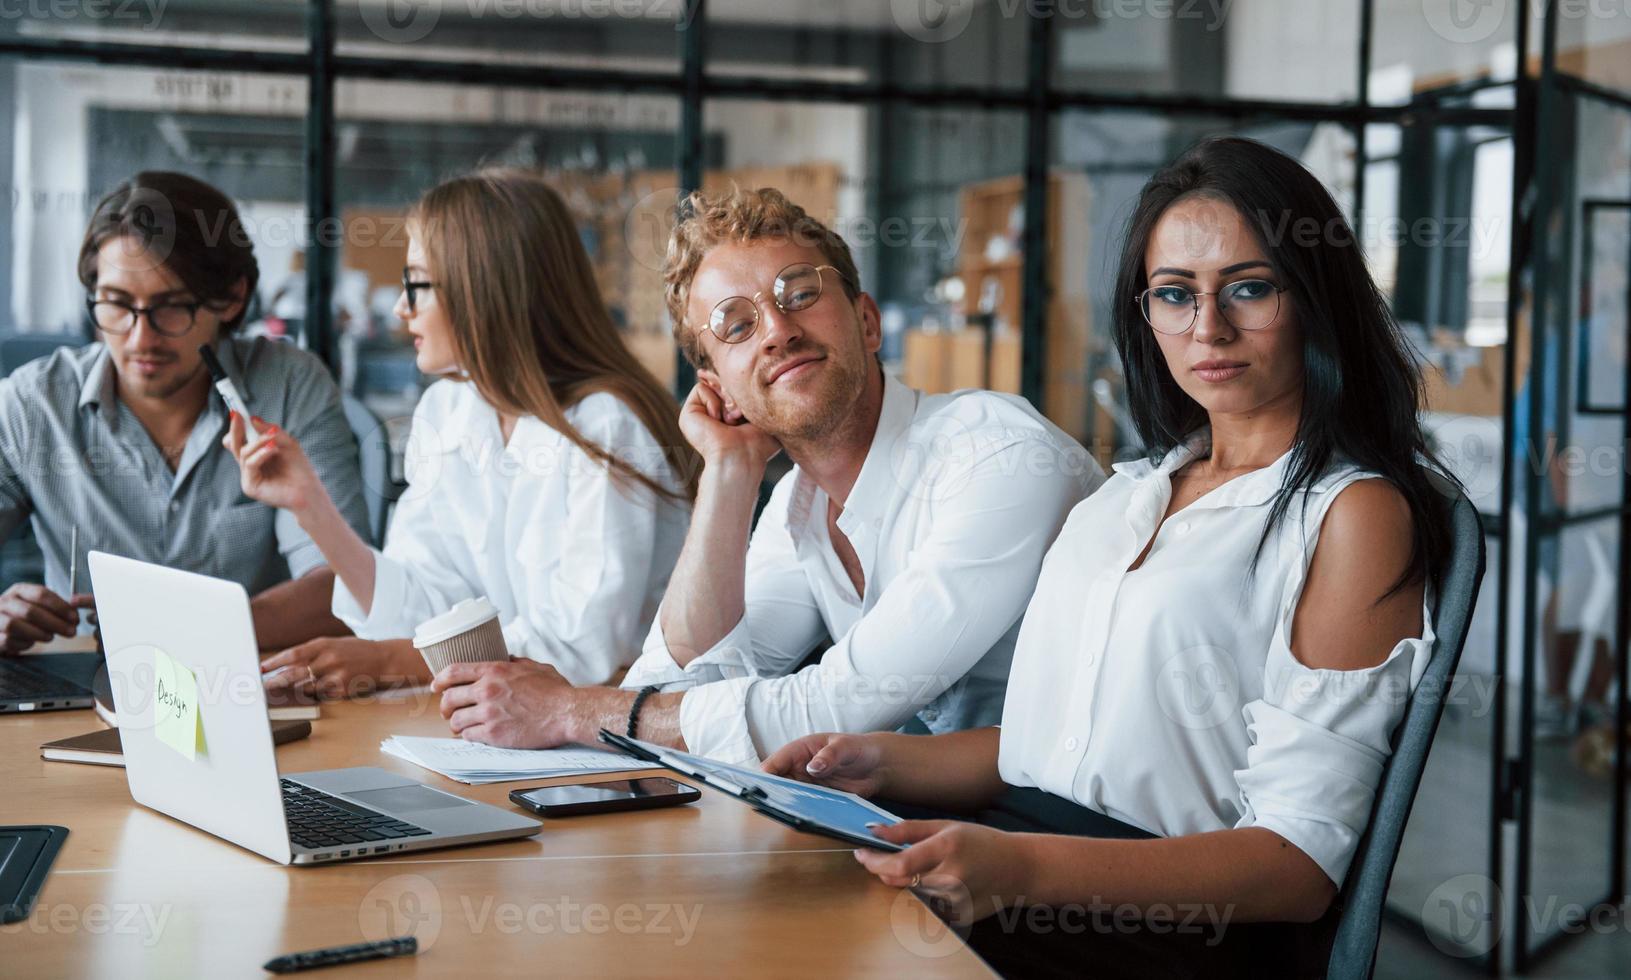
(465, 615)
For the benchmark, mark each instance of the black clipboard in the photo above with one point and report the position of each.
(784, 800)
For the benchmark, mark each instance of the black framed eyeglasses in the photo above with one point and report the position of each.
(797, 287)
(1249, 304)
(411, 287)
(169, 319)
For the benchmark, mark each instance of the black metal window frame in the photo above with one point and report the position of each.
(1583, 403)
(1040, 100)
(1543, 194)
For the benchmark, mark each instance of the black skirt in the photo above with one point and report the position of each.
(1112, 942)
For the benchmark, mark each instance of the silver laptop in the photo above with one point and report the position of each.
(158, 622)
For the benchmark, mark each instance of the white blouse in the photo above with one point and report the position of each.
(1168, 697)
(575, 561)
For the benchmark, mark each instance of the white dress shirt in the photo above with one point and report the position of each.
(957, 501)
(575, 561)
(1169, 697)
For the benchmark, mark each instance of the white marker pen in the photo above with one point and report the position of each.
(228, 390)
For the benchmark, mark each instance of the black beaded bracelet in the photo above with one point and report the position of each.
(634, 709)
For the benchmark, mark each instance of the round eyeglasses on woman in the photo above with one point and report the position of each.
(796, 288)
(1172, 309)
(169, 319)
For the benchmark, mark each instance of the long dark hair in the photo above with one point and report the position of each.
(1361, 386)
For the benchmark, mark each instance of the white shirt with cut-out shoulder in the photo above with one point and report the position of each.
(1168, 697)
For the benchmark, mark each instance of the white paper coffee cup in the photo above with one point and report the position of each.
(466, 634)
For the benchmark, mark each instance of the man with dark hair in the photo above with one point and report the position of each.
(120, 440)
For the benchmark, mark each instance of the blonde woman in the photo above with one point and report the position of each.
(546, 472)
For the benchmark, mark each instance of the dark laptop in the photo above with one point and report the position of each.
(48, 682)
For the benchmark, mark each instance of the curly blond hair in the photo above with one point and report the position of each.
(738, 216)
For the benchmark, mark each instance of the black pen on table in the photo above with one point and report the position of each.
(311, 959)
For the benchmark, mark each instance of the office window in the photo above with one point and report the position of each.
(963, 42)
(1580, 469)
(610, 157)
(1438, 233)
(1279, 50)
(622, 35)
(254, 25)
(1594, 44)
(1425, 48)
(77, 130)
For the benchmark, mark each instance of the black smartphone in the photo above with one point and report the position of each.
(608, 797)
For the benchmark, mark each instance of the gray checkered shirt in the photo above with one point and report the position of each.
(72, 453)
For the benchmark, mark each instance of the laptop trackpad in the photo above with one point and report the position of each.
(402, 799)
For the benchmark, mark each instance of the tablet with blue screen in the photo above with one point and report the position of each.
(803, 806)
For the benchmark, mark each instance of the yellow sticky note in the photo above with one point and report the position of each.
(176, 720)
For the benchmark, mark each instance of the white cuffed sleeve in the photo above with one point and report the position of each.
(1320, 741)
(964, 586)
(780, 625)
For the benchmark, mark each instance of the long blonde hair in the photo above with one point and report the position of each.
(530, 329)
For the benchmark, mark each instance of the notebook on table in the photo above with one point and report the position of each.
(102, 748)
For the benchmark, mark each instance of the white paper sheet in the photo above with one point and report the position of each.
(473, 762)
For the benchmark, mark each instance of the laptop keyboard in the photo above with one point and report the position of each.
(22, 681)
(317, 820)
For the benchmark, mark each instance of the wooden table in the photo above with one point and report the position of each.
(706, 889)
